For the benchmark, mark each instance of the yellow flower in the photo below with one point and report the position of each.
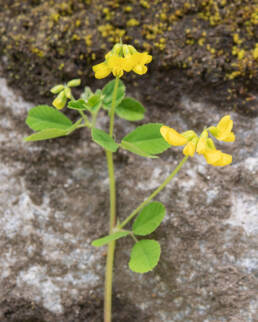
(190, 147)
(140, 59)
(222, 131)
(116, 63)
(203, 144)
(217, 158)
(122, 58)
(189, 139)
(101, 70)
(172, 136)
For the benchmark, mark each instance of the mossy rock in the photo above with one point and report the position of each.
(201, 44)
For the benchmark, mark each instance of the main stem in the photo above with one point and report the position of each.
(161, 187)
(112, 218)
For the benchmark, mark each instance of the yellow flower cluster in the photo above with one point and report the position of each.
(122, 58)
(203, 144)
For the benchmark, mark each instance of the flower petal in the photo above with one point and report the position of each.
(140, 69)
(217, 158)
(212, 156)
(225, 159)
(229, 138)
(128, 63)
(172, 136)
(101, 70)
(201, 145)
(189, 149)
(225, 124)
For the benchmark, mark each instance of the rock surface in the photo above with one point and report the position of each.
(54, 202)
(207, 42)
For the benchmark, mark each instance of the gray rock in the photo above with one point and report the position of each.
(54, 201)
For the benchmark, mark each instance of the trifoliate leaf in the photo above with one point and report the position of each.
(149, 218)
(103, 139)
(78, 105)
(130, 110)
(108, 92)
(105, 240)
(146, 138)
(45, 117)
(145, 255)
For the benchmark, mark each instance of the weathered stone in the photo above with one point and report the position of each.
(54, 202)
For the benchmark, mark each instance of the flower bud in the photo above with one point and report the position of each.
(56, 89)
(60, 101)
(74, 83)
(68, 92)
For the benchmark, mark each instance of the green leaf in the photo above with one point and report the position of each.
(52, 133)
(103, 139)
(145, 255)
(130, 110)
(134, 149)
(78, 105)
(149, 218)
(146, 138)
(46, 134)
(94, 102)
(108, 92)
(105, 240)
(45, 117)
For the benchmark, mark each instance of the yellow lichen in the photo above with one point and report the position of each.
(88, 40)
(132, 23)
(75, 37)
(144, 4)
(128, 8)
(38, 52)
(111, 33)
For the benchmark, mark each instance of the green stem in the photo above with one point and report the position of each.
(112, 186)
(161, 187)
(87, 123)
(85, 118)
(94, 119)
(113, 105)
(112, 218)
